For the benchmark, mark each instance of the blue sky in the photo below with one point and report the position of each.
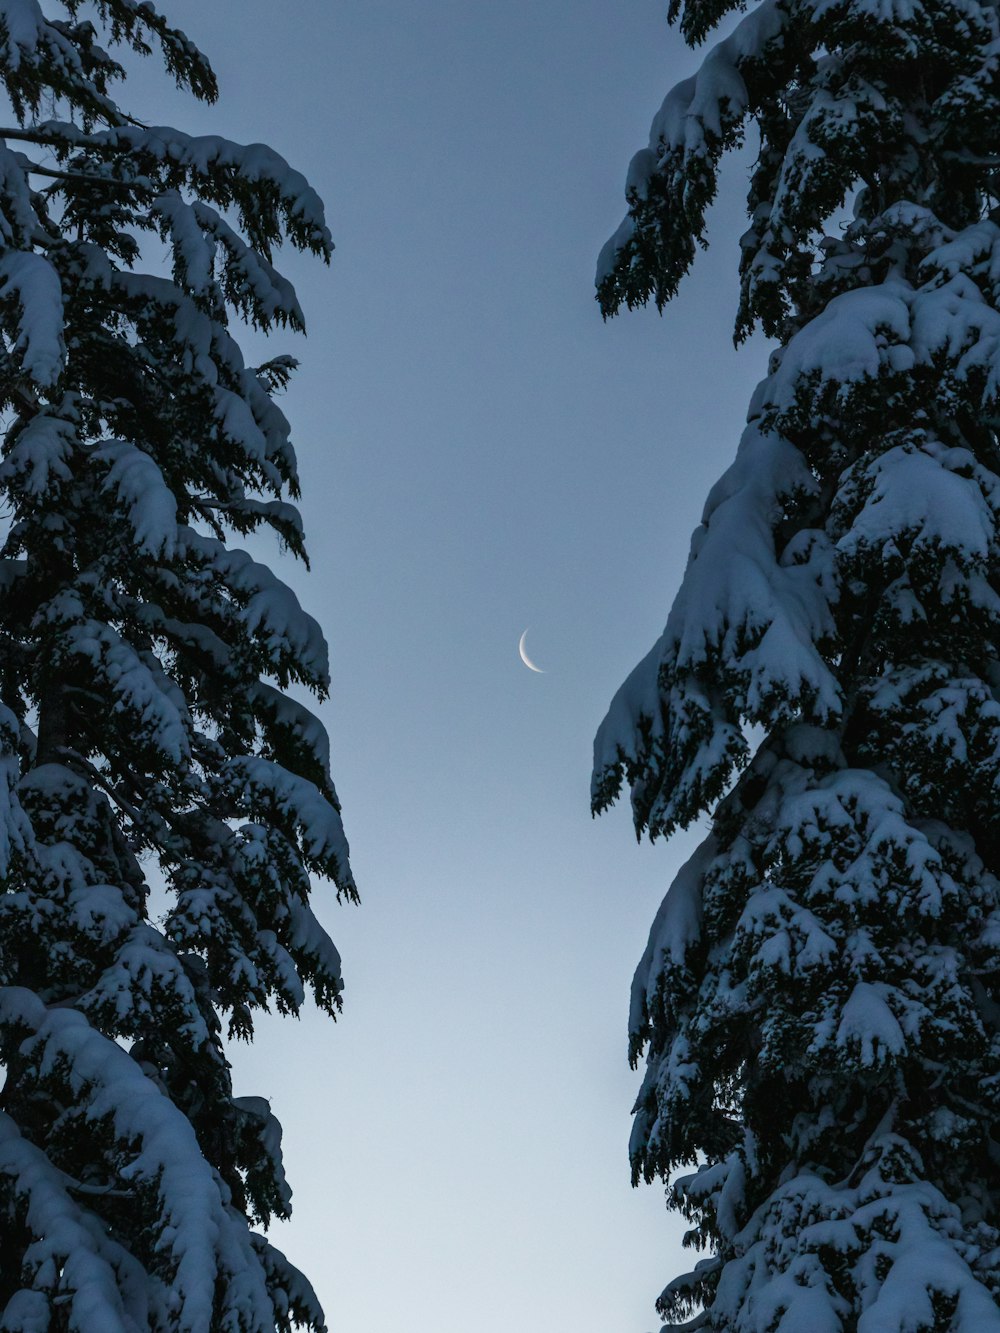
(479, 453)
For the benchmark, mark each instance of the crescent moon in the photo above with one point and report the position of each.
(525, 658)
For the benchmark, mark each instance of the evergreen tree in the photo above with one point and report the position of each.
(148, 731)
(819, 998)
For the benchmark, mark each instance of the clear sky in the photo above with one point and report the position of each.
(480, 454)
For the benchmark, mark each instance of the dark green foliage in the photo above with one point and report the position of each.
(820, 998)
(147, 734)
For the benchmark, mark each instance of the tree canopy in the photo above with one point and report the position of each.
(166, 793)
(818, 1001)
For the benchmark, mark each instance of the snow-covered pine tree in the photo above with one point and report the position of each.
(147, 732)
(819, 997)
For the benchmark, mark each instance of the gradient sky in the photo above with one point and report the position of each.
(479, 454)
